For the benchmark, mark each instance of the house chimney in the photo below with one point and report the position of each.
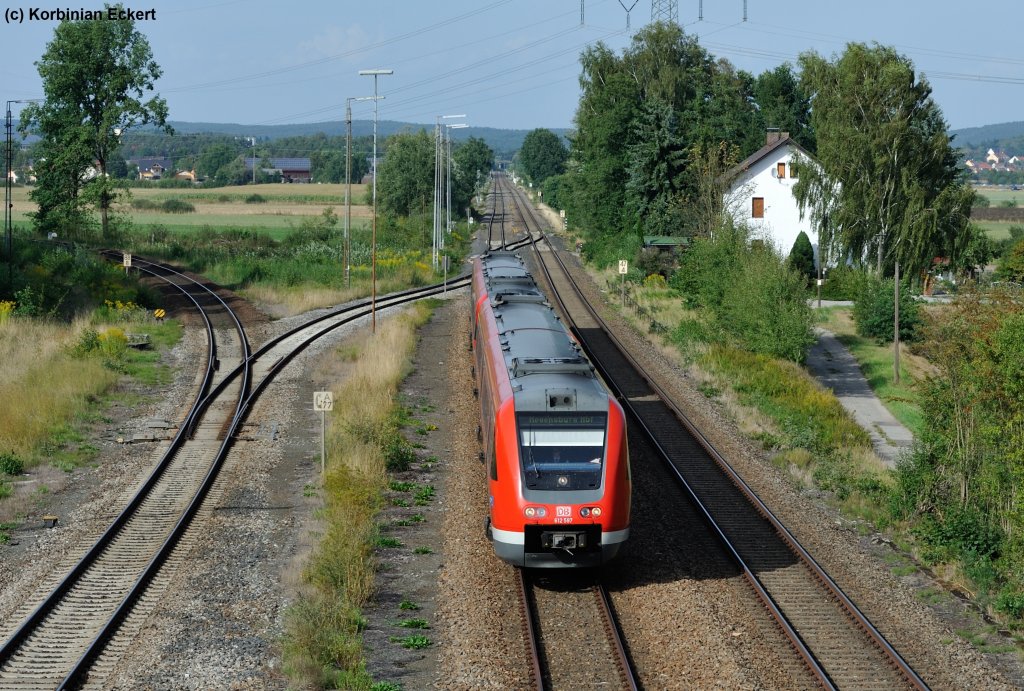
(774, 135)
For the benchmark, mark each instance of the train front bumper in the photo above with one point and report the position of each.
(557, 546)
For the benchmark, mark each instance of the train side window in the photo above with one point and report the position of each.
(492, 461)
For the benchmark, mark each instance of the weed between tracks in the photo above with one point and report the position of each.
(323, 643)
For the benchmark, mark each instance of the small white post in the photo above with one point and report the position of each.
(323, 401)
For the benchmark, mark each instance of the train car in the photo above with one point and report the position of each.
(554, 438)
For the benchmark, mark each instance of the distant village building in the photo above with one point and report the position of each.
(759, 193)
(153, 168)
(290, 169)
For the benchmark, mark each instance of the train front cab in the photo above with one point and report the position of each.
(560, 487)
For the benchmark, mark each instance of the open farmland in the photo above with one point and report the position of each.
(282, 209)
(996, 196)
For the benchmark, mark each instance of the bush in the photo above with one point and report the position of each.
(113, 346)
(874, 311)
(88, 342)
(255, 199)
(177, 206)
(961, 534)
(754, 297)
(1011, 266)
(842, 283)
(1011, 603)
(144, 204)
(10, 464)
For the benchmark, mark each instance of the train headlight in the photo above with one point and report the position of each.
(563, 480)
(530, 512)
(541, 512)
(535, 512)
(596, 512)
(584, 512)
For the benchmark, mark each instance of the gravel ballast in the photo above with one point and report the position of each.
(689, 621)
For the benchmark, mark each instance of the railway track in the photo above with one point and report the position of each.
(836, 642)
(63, 632)
(571, 633)
(72, 632)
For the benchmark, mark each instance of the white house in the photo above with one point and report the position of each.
(759, 193)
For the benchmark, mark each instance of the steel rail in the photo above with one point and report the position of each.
(847, 605)
(32, 622)
(80, 672)
(53, 599)
(530, 631)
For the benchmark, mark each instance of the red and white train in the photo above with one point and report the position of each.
(554, 438)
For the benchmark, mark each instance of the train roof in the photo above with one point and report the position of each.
(545, 366)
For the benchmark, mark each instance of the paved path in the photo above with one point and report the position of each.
(833, 365)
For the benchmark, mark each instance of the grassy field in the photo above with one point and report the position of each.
(996, 196)
(283, 210)
(997, 230)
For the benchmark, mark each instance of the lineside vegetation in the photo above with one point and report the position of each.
(322, 642)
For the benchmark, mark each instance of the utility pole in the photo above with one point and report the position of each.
(448, 159)
(8, 201)
(373, 235)
(896, 328)
(253, 140)
(439, 181)
(348, 185)
(348, 188)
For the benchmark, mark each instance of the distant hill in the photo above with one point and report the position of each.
(994, 136)
(504, 143)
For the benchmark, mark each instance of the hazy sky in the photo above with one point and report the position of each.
(514, 63)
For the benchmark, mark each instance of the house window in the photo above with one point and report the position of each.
(792, 170)
(781, 168)
(758, 208)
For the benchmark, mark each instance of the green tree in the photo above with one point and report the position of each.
(472, 160)
(215, 157)
(543, 154)
(708, 117)
(328, 166)
(95, 74)
(1011, 266)
(782, 103)
(801, 257)
(887, 185)
(656, 172)
(968, 461)
(406, 175)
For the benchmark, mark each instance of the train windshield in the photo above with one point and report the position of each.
(562, 451)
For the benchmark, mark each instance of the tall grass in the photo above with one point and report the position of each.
(41, 385)
(322, 645)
